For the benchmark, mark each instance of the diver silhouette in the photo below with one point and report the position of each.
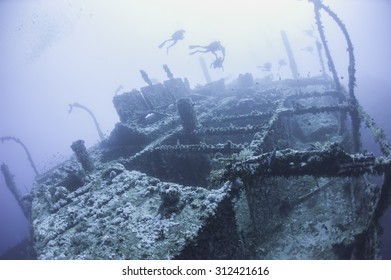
(213, 48)
(218, 63)
(178, 35)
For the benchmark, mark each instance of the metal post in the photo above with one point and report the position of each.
(205, 70)
(292, 62)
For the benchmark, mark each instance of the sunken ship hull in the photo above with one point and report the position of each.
(250, 170)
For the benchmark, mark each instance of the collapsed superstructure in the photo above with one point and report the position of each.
(253, 169)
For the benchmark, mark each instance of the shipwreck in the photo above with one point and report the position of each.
(251, 169)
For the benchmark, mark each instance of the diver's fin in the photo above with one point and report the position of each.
(162, 44)
(194, 46)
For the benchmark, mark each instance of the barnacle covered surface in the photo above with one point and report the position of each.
(121, 215)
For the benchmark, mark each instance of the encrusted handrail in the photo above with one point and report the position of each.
(17, 140)
(77, 105)
(230, 130)
(254, 115)
(351, 69)
(228, 147)
(378, 133)
(332, 162)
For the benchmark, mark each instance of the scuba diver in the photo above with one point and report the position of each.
(178, 35)
(218, 63)
(214, 48)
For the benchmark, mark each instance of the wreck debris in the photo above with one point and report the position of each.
(82, 155)
(309, 195)
(352, 79)
(168, 72)
(329, 162)
(77, 105)
(317, 6)
(377, 132)
(156, 96)
(119, 88)
(351, 67)
(292, 61)
(145, 77)
(187, 114)
(170, 195)
(17, 140)
(129, 105)
(24, 202)
(321, 61)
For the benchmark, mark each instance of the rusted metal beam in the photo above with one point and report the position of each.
(332, 162)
